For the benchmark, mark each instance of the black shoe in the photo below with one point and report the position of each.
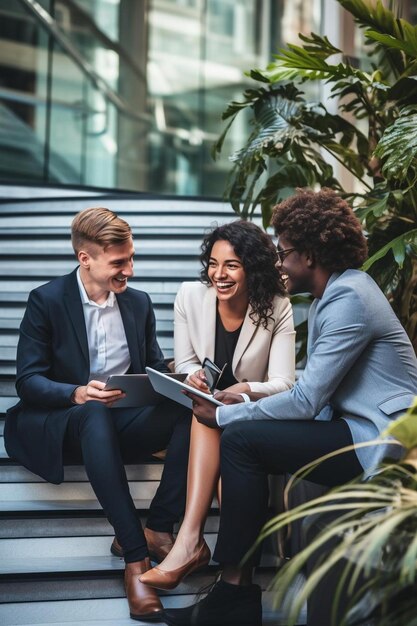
(225, 605)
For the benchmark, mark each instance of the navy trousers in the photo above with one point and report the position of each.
(250, 450)
(105, 439)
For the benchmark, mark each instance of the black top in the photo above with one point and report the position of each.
(224, 350)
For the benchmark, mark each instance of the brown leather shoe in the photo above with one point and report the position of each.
(165, 579)
(159, 544)
(116, 548)
(144, 603)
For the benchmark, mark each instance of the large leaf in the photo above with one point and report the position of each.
(283, 183)
(277, 121)
(398, 246)
(377, 206)
(398, 146)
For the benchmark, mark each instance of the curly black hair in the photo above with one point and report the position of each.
(258, 256)
(322, 224)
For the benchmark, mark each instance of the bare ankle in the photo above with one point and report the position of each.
(190, 540)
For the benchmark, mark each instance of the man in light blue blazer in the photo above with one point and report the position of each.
(361, 373)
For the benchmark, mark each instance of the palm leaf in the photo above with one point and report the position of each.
(371, 14)
(363, 538)
(408, 565)
(408, 45)
(376, 17)
(297, 63)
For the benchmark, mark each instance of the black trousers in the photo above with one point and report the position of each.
(250, 450)
(106, 438)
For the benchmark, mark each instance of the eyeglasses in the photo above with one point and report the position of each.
(282, 255)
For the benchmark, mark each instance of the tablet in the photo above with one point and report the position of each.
(138, 389)
(172, 388)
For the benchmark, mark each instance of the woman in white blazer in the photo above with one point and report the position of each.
(238, 315)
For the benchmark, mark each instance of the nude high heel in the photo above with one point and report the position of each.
(165, 579)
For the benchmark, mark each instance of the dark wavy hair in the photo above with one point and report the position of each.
(322, 224)
(258, 256)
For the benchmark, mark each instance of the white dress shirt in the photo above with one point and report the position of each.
(245, 397)
(107, 343)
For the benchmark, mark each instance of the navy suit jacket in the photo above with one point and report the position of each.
(52, 360)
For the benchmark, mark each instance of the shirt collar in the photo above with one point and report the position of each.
(86, 300)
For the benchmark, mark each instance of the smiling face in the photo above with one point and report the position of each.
(226, 273)
(296, 268)
(104, 270)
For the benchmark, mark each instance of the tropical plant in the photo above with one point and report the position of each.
(373, 135)
(372, 538)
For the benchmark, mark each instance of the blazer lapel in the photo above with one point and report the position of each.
(129, 323)
(207, 322)
(74, 307)
(246, 334)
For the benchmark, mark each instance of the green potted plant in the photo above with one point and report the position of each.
(373, 135)
(364, 554)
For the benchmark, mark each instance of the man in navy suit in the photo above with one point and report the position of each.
(78, 330)
(361, 373)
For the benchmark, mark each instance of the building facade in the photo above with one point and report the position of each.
(128, 94)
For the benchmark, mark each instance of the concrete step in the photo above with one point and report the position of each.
(28, 191)
(53, 246)
(76, 473)
(58, 556)
(18, 299)
(113, 611)
(58, 566)
(17, 507)
(133, 206)
(187, 268)
(140, 222)
(64, 524)
(43, 491)
(8, 344)
(76, 586)
(17, 291)
(8, 367)
(11, 316)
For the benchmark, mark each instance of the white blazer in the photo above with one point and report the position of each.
(264, 357)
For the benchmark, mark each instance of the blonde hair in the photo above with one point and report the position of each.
(99, 226)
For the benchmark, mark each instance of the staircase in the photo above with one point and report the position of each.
(55, 563)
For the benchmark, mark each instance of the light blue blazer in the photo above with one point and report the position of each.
(361, 366)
